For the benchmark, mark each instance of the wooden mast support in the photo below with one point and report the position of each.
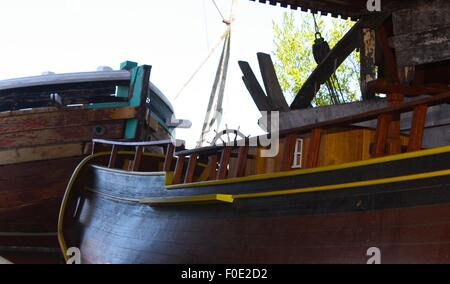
(224, 160)
(168, 160)
(394, 141)
(191, 168)
(178, 175)
(381, 134)
(417, 128)
(241, 163)
(138, 158)
(213, 167)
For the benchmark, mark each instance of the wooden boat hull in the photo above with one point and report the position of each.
(324, 215)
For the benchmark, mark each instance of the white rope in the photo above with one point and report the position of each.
(224, 35)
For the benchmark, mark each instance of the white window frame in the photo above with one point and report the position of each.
(298, 154)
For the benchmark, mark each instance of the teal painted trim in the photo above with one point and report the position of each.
(136, 88)
(133, 92)
(124, 91)
(131, 128)
(128, 65)
(137, 83)
(108, 105)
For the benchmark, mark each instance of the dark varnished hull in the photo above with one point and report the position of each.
(407, 220)
(31, 197)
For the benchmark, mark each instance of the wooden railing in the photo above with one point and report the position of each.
(219, 156)
(168, 145)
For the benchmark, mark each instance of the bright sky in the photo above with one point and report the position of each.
(172, 36)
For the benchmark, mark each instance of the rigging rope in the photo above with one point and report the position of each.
(222, 37)
(218, 10)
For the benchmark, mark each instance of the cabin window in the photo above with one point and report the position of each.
(298, 154)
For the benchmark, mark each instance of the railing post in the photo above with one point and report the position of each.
(417, 128)
(178, 175)
(93, 148)
(113, 157)
(213, 167)
(191, 168)
(224, 160)
(381, 134)
(314, 148)
(138, 158)
(168, 161)
(241, 163)
(394, 141)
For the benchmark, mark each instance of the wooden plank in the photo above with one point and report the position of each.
(314, 148)
(241, 162)
(381, 135)
(224, 161)
(382, 86)
(138, 158)
(270, 79)
(168, 160)
(213, 167)
(178, 175)
(254, 88)
(417, 128)
(62, 118)
(113, 157)
(424, 47)
(370, 115)
(425, 15)
(191, 168)
(113, 130)
(40, 153)
(288, 152)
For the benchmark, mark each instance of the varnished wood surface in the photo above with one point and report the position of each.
(31, 193)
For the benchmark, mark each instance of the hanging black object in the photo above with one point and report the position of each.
(320, 48)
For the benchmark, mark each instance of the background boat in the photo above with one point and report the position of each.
(47, 124)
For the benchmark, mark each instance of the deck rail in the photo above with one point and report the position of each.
(387, 129)
(169, 147)
(386, 141)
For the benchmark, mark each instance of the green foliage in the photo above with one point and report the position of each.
(294, 60)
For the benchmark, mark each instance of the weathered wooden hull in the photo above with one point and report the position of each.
(332, 215)
(47, 124)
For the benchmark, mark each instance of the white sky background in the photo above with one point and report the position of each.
(173, 36)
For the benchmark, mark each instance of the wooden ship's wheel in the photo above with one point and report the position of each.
(227, 136)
